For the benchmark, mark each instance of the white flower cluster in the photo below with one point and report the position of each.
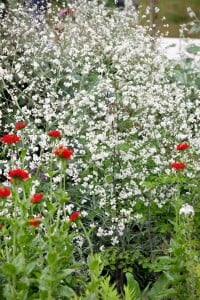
(186, 210)
(99, 79)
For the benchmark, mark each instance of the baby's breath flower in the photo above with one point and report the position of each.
(186, 210)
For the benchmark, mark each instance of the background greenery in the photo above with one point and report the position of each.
(175, 12)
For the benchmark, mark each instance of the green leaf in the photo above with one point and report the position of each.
(108, 291)
(161, 288)
(129, 293)
(19, 263)
(66, 291)
(67, 272)
(123, 147)
(193, 49)
(9, 269)
(163, 263)
(109, 178)
(23, 154)
(61, 196)
(30, 267)
(95, 264)
(133, 285)
(52, 257)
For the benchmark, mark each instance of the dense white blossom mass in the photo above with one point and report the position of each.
(100, 79)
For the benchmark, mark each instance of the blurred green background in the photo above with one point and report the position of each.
(175, 12)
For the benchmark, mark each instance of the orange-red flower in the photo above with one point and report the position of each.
(36, 198)
(35, 221)
(10, 139)
(74, 216)
(18, 174)
(20, 125)
(1, 226)
(63, 152)
(182, 146)
(55, 133)
(4, 192)
(177, 165)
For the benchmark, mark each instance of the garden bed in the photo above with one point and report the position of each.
(99, 160)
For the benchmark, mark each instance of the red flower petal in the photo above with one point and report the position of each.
(18, 174)
(182, 146)
(35, 221)
(54, 133)
(177, 165)
(36, 198)
(63, 152)
(74, 216)
(20, 125)
(4, 192)
(10, 139)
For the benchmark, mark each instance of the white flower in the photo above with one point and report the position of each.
(186, 209)
(191, 13)
(100, 232)
(102, 248)
(114, 241)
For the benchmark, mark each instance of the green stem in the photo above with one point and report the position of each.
(87, 237)
(49, 294)
(51, 178)
(13, 287)
(177, 205)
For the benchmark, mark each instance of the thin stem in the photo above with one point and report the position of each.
(149, 230)
(87, 237)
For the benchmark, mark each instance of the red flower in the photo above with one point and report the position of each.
(10, 139)
(182, 146)
(177, 165)
(4, 192)
(54, 133)
(74, 216)
(20, 125)
(1, 226)
(63, 152)
(35, 221)
(19, 174)
(36, 198)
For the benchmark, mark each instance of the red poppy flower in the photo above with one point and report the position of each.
(74, 216)
(4, 192)
(182, 146)
(35, 221)
(20, 125)
(36, 198)
(18, 174)
(54, 133)
(63, 152)
(10, 139)
(177, 165)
